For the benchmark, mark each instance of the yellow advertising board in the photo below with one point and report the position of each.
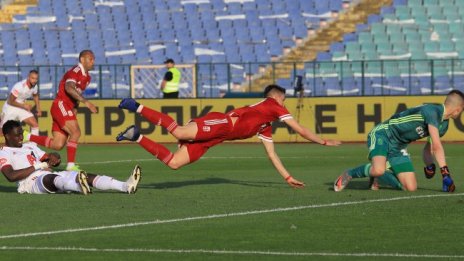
(341, 118)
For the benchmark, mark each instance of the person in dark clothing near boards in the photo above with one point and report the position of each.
(171, 80)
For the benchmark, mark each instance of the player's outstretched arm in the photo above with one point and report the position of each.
(71, 90)
(309, 135)
(269, 146)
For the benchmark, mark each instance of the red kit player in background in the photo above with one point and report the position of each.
(65, 127)
(200, 134)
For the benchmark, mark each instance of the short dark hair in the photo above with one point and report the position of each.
(457, 92)
(271, 87)
(84, 52)
(168, 60)
(34, 71)
(9, 126)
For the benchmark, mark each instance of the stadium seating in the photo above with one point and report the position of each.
(406, 37)
(147, 31)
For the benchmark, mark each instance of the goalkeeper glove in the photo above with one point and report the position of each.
(448, 184)
(429, 170)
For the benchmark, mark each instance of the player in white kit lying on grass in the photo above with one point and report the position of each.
(30, 166)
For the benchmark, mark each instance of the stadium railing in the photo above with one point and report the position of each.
(212, 80)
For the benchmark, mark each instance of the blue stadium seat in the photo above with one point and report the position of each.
(107, 26)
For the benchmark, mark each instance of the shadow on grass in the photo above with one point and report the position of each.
(209, 181)
(7, 189)
(179, 184)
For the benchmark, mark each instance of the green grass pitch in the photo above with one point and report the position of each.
(232, 205)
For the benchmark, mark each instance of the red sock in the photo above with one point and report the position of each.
(159, 118)
(158, 150)
(41, 140)
(71, 148)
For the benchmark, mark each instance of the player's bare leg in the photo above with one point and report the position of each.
(73, 130)
(186, 132)
(74, 133)
(58, 141)
(378, 166)
(48, 182)
(181, 158)
(408, 180)
(32, 122)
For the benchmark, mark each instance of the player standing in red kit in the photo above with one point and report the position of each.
(200, 134)
(65, 127)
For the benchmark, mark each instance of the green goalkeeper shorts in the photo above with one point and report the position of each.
(379, 144)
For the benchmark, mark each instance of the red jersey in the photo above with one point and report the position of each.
(77, 75)
(257, 119)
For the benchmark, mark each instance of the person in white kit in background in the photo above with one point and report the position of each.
(16, 108)
(30, 168)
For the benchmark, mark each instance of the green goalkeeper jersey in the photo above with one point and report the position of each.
(412, 124)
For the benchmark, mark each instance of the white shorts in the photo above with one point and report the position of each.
(34, 183)
(14, 113)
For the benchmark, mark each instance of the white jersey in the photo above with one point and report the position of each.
(22, 92)
(21, 158)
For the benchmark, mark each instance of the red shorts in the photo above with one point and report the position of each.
(213, 128)
(61, 113)
(196, 149)
(214, 125)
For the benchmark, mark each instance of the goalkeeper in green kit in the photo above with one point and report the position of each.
(389, 161)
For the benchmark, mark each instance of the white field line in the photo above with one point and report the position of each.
(227, 215)
(228, 252)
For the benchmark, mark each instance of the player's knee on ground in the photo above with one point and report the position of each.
(408, 181)
(410, 187)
